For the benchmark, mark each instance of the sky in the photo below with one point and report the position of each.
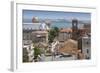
(29, 14)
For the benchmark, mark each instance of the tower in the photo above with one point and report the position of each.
(74, 29)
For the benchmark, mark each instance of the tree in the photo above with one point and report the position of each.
(37, 52)
(54, 32)
(56, 29)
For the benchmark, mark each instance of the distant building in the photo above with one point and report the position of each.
(48, 22)
(84, 44)
(40, 36)
(28, 53)
(35, 32)
(27, 34)
(43, 26)
(35, 20)
(74, 29)
(64, 34)
(86, 30)
(35, 26)
(87, 27)
(27, 42)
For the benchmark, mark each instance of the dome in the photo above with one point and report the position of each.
(35, 19)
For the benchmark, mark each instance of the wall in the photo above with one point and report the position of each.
(5, 35)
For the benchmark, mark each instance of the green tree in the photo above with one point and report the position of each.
(56, 29)
(54, 32)
(37, 52)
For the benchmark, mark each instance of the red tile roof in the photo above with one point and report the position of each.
(66, 30)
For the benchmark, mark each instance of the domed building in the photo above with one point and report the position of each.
(36, 31)
(35, 20)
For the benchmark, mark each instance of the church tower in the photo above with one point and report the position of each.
(75, 29)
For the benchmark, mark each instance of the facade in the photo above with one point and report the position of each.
(64, 34)
(84, 44)
(40, 36)
(28, 53)
(27, 34)
(35, 31)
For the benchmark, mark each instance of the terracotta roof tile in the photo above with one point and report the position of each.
(66, 30)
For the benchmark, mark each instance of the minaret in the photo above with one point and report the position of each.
(74, 29)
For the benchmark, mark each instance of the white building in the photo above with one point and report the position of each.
(35, 32)
(84, 44)
(28, 53)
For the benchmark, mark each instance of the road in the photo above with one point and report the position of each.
(58, 58)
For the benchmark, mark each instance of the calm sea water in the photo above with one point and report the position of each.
(58, 24)
(62, 24)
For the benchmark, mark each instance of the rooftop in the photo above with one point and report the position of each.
(66, 30)
(69, 46)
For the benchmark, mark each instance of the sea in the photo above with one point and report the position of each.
(59, 24)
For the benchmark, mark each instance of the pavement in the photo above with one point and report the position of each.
(58, 58)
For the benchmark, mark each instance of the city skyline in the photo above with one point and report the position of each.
(67, 36)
